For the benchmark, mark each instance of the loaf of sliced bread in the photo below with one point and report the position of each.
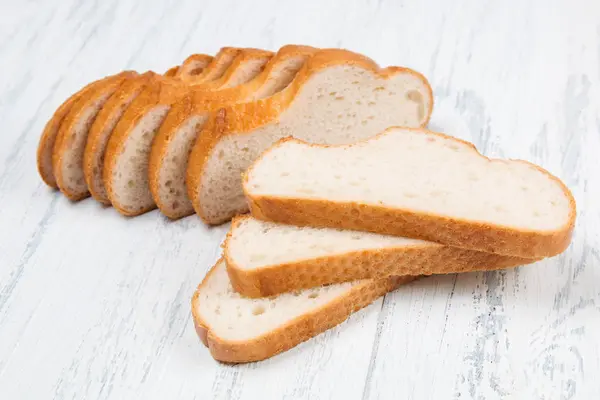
(266, 258)
(69, 147)
(48, 138)
(337, 97)
(188, 116)
(418, 184)
(238, 329)
(194, 65)
(125, 172)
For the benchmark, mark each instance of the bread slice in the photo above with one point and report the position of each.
(266, 258)
(195, 64)
(48, 138)
(125, 172)
(418, 184)
(67, 156)
(112, 112)
(238, 329)
(337, 97)
(176, 136)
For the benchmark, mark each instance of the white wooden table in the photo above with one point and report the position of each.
(96, 306)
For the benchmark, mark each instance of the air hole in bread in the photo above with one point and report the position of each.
(69, 166)
(453, 147)
(339, 97)
(296, 293)
(358, 102)
(130, 183)
(320, 96)
(258, 310)
(245, 149)
(285, 173)
(332, 94)
(340, 116)
(175, 205)
(371, 103)
(356, 237)
(174, 159)
(355, 82)
(313, 295)
(378, 89)
(168, 183)
(364, 122)
(221, 154)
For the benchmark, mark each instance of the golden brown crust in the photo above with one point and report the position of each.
(238, 119)
(96, 144)
(48, 138)
(419, 259)
(173, 71)
(295, 331)
(66, 133)
(201, 102)
(162, 91)
(193, 65)
(409, 223)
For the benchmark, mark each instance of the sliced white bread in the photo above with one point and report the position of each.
(418, 184)
(110, 115)
(69, 147)
(337, 97)
(238, 329)
(48, 138)
(266, 258)
(125, 172)
(188, 116)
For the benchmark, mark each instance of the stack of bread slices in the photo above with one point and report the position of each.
(349, 195)
(179, 141)
(333, 227)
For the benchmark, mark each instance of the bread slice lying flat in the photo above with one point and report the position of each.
(418, 184)
(337, 97)
(69, 147)
(238, 329)
(48, 138)
(188, 116)
(125, 173)
(266, 258)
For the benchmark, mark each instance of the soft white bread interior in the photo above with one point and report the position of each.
(416, 183)
(337, 97)
(266, 258)
(239, 329)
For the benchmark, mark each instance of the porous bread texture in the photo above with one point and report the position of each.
(238, 329)
(418, 184)
(48, 138)
(187, 117)
(101, 131)
(67, 155)
(337, 97)
(125, 172)
(266, 258)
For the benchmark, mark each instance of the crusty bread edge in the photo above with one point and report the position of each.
(418, 259)
(235, 119)
(186, 106)
(420, 225)
(295, 331)
(63, 138)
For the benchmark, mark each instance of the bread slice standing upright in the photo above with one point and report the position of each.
(266, 258)
(111, 114)
(337, 97)
(125, 173)
(67, 155)
(418, 184)
(238, 329)
(187, 117)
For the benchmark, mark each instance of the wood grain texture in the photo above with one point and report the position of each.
(96, 306)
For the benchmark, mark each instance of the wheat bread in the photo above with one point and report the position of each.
(267, 258)
(238, 329)
(67, 155)
(337, 97)
(48, 137)
(125, 172)
(419, 184)
(188, 116)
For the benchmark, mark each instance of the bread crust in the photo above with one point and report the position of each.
(66, 133)
(455, 232)
(50, 132)
(294, 331)
(202, 102)
(416, 260)
(193, 66)
(239, 119)
(163, 91)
